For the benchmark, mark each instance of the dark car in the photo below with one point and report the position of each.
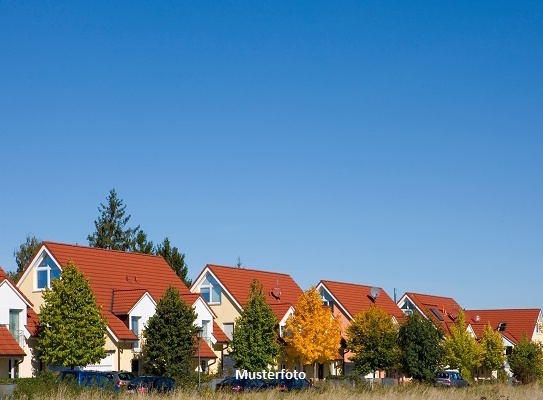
(241, 385)
(286, 385)
(450, 378)
(91, 379)
(121, 378)
(146, 384)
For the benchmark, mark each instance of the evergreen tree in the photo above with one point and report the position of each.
(170, 338)
(73, 332)
(372, 336)
(111, 232)
(526, 361)
(254, 345)
(493, 349)
(421, 348)
(461, 349)
(175, 259)
(24, 254)
(312, 333)
(141, 245)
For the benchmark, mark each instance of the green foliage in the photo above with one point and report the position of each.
(526, 361)
(421, 348)
(461, 349)
(42, 386)
(170, 338)
(141, 245)
(373, 337)
(175, 259)
(492, 346)
(24, 254)
(73, 332)
(110, 230)
(254, 345)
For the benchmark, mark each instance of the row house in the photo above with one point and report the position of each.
(226, 291)
(127, 287)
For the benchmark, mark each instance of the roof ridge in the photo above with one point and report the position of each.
(504, 309)
(247, 269)
(429, 295)
(45, 242)
(350, 283)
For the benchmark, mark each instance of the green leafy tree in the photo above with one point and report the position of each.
(254, 345)
(526, 361)
(373, 337)
(175, 259)
(73, 331)
(24, 254)
(111, 231)
(492, 346)
(170, 338)
(461, 349)
(421, 348)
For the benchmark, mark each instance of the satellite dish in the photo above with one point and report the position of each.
(276, 292)
(477, 318)
(375, 292)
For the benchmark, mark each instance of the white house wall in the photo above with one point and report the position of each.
(10, 299)
(203, 314)
(145, 309)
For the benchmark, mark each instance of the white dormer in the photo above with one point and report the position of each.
(210, 289)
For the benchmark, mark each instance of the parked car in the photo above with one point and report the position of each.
(121, 378)
(286, 385)
(450, 378)
(146, 384)
(241, 385)
(94, 379)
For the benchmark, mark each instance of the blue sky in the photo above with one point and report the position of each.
(395, 144)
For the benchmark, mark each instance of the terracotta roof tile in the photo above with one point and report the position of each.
(355, 298)
(518, 321)
(238, 280)
(219, 334)
(205, 350)
(8, 344)
(124, 300)
(110, 270)
(433, 306)
(32, 322)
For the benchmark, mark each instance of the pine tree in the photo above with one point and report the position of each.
(110, 226)
(24, 254)
(312, 333)
(141, 244)
(493, 349)
(170, 338)
(372, 336)
(254, 345)
(175, 259)
(461, 349)
(73, 332)
(421, 348)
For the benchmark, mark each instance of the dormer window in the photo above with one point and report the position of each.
(45, 272)
(502, 326)
(210, 290)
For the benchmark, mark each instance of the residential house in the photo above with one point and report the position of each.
(226, 290)
(127, 287)
(17, 326)
(348, 299)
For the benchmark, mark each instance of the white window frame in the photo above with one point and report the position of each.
(136, 346)
(39, 269)
(210, 287)
(224, 329)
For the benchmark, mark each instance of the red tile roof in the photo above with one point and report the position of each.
(355, 298)
(32, 322)
(238, 280)
(110, 270)
(518, 321)
(446, 307)
(8, 344)
(124, 300)
(4, 277)
(205, 350)
(219, 334)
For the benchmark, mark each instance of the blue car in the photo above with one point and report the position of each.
(90, 379)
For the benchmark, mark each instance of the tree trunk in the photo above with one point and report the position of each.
(315, 371)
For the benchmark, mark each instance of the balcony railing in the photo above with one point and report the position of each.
(136, 346)
(18, 336)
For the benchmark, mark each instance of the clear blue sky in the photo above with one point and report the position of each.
(396, 144)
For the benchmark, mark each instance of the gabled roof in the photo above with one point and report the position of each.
(237, 281)
(205, 350)
(219, 334)
(125, 299)
(32, 322)
(354, 298)
(8, 344)
(516, 321)
(109, 270)
(4, 277)
(442, 311)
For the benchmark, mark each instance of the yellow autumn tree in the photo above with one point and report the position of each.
(313, 334)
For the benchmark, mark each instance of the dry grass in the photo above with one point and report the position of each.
(410, 392)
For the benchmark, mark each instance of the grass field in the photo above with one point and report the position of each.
(409, 392)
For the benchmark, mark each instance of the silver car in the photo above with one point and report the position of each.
(450, 378)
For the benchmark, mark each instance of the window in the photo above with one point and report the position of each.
(205, 329)
(45, 272)
(228, 329)
(210, 290)
(14, 325)
(135, 322)
(502, 326)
